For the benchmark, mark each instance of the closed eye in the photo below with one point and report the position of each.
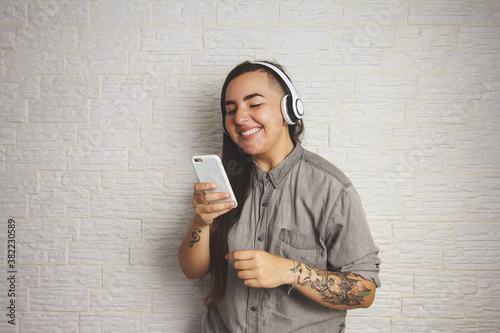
(255, 105)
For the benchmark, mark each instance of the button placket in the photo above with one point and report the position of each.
(255, 294)
(261, 229)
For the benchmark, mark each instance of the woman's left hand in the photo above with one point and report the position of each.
(260, 269)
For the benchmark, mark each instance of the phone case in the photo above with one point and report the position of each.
(209, 168)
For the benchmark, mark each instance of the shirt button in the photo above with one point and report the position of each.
(264, 204)
(253, 308)
(260, 238)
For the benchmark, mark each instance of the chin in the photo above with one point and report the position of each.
(250, 150)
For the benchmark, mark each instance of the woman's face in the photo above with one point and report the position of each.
(254, 120)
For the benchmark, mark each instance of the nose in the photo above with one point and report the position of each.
(241, 117)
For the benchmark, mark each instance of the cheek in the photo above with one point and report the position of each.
(228, 123)
(231, 129)
(270, 117)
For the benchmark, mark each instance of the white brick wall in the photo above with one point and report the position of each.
(103, 102)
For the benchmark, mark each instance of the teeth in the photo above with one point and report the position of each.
(249, 132)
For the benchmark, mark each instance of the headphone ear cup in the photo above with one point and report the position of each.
(287, 109)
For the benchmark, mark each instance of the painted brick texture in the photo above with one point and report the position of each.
(102, 104)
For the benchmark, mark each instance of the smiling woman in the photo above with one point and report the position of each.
(300, 232)
(254, 120)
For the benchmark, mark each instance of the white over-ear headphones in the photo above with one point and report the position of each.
(292, 107)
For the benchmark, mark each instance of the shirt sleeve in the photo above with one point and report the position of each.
(350, 244)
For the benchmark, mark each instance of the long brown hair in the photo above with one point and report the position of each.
(239, 168)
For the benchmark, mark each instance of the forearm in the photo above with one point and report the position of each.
(194, 251)
(334, 290)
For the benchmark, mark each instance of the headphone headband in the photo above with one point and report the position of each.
(291, 105)
(281, 75)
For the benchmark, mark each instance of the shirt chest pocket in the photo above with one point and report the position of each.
(299, 247)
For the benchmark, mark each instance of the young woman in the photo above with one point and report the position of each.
(296, 252)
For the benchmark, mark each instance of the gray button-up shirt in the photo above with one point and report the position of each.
(307, 210)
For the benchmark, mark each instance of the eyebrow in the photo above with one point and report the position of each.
(246, 98)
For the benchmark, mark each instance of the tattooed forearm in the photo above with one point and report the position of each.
(334, 287)
(196, 237)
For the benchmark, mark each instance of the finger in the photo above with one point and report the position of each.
(246, 275)
(243, 264)
(200, 187)
(251, 280)
(211, 197)
(209, 208)
(203, 199)
(252, 283)
(240, 255)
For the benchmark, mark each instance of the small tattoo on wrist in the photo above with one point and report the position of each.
(196, 237)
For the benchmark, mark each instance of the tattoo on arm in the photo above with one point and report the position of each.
(334, 287)
(196, 237)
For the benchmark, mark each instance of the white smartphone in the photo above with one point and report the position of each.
(209, 169)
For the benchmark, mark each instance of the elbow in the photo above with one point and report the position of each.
(191, 267)
(187, 273)
(366, 304)
(192, 271)
(191, 275)
(368, 300)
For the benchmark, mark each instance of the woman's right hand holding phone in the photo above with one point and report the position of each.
(206, 210)
(194, 251)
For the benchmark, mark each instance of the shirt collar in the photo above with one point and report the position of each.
(278, 173)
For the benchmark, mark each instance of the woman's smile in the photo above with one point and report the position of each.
(250, 133)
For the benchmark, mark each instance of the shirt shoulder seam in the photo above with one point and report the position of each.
(326, 171)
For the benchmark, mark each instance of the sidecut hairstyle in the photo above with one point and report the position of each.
(240, 169)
